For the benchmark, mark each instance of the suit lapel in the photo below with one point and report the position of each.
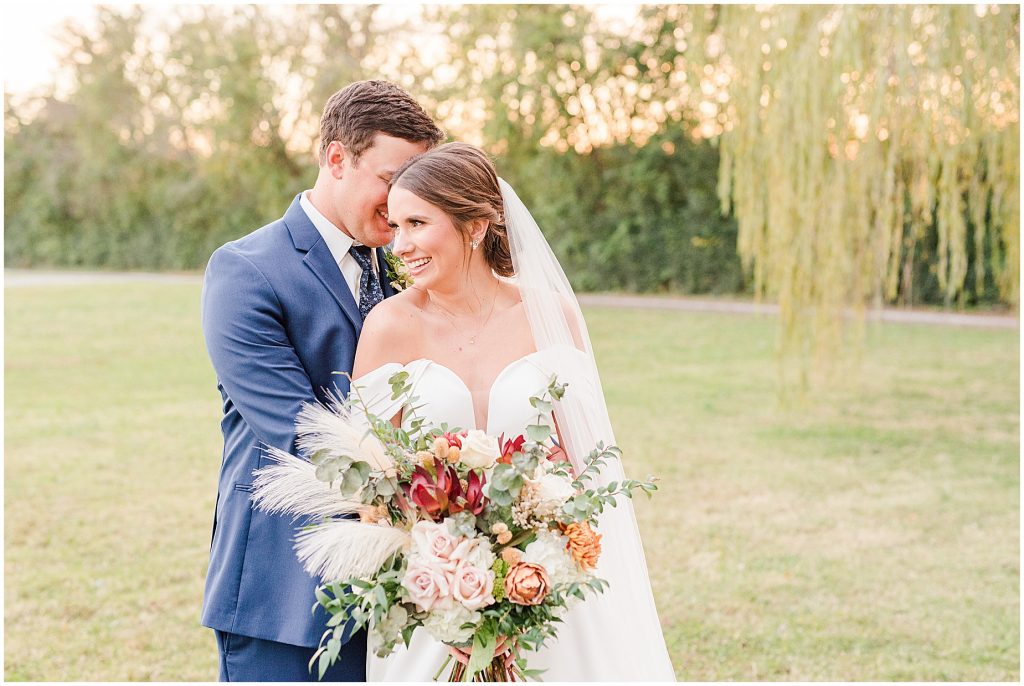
(319, 259)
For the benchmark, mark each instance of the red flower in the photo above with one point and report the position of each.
(434, 487)
(510, 447)
(455, 439)
(473, 498)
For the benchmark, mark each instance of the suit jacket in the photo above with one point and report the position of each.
(278, 319)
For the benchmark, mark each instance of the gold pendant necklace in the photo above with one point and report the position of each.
(448, 315)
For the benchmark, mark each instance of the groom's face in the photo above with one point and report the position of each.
(361, 191)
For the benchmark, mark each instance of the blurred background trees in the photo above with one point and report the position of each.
(816, 156)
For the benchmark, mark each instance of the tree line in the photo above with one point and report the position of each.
(684, 149)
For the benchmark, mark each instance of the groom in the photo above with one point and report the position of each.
(282, 309)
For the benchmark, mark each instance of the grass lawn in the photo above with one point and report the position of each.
(870, 534)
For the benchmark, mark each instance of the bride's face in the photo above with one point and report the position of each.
(426, 239)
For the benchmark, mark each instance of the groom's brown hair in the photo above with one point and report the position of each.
(361, 110)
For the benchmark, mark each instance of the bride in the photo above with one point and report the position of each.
(489, 319)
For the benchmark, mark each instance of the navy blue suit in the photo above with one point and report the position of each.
(278, 319)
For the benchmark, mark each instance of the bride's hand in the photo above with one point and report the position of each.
(557, 454)
(503, 645)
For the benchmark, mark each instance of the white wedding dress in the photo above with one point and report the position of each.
(605, 638)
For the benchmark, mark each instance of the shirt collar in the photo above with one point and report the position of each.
(338, 242)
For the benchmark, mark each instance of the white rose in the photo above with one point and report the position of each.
(553, 491)
(549, 551)
(444, 623)
(479, 451)
(474, 551)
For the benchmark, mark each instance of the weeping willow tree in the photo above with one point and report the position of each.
(846, 132)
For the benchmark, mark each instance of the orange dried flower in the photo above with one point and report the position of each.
(584, 544)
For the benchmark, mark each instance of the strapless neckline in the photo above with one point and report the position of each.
(490, 391)
(442, 396)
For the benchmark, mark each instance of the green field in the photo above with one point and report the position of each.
(872, 534)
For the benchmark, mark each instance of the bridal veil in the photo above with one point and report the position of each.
(617, 632)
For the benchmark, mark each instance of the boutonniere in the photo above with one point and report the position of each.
(398, 273)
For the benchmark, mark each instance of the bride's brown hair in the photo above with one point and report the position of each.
(460, 179)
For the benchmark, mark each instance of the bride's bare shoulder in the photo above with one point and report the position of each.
(385, 334)
(395, 311)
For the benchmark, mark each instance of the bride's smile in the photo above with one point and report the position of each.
(416, 266)
(427, 241)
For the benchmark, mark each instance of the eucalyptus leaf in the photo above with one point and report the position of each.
(350, 483)
(386, 487)
(327, 472)
(501, 498)
(323, 663)
(362, 469)
(538, 432)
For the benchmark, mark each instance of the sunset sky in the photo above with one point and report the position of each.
(29, 43)
(30, 48)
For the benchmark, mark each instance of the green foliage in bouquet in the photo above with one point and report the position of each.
(418, 478)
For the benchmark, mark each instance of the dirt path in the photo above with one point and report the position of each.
(15, 278)
(996, 321)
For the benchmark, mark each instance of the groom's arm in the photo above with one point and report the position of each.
(249, 347)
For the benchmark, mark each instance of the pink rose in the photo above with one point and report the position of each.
(472, 586)
(434, 541)
(426, 584)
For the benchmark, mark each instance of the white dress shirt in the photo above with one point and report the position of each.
(338, 242)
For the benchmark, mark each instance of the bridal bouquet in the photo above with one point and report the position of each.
(484, 542)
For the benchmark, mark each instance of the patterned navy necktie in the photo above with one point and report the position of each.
(370, 292)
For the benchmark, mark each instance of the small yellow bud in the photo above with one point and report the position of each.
(424, 457)
(454, 454)
(499, 528)
(504, 537)
(441, 447)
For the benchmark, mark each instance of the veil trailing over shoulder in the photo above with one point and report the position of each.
(557, 325)
(624, 618)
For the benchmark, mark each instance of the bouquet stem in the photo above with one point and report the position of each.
(502, 668)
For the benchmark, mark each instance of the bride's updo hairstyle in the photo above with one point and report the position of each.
(460, 180)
